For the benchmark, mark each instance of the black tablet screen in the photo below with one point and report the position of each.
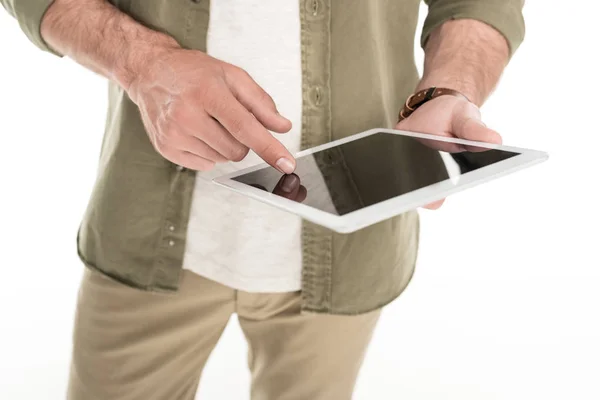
(370, 170)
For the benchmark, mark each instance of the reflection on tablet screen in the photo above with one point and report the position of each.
(367, 171)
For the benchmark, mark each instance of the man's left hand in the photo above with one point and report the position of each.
(453, 117)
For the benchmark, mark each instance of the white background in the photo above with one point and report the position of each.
(504, 304)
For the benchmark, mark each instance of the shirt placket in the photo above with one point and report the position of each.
(171, 243)
(315, 19)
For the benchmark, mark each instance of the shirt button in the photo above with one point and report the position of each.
(313, 7)
(179, 168)
(171, 243)
(171, 228)
(316, 95)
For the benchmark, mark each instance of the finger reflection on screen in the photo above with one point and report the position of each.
(289, 186)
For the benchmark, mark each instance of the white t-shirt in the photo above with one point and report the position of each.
(231, 239)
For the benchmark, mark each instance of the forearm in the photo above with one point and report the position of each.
(101, 38)
(465, 55)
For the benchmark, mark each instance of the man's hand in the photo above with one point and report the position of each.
(199, 111)
(468, 56)
(449, 116)
(452, 117)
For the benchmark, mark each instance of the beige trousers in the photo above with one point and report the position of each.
(136, 345)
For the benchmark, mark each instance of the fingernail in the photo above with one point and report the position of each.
(285, 165)
(289, 183)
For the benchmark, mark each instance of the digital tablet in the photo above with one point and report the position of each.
(351, 183)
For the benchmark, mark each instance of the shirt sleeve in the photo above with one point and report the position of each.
(29, 14)
(504, 15)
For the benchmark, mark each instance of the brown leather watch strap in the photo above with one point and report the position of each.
(421, 97)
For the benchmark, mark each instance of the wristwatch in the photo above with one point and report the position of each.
(421, 97)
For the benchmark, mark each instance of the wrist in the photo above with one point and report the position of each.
(420, 97)
(138, 55)
(465, 55)
(465, 87)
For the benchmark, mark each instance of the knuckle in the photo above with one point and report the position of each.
(237, 126)
(212, 101)
(212, 86)
(199, 93)
(238, 72)
(268, 148)
(239, 153)
(265, 98)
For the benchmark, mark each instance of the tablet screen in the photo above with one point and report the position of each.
(372, 169)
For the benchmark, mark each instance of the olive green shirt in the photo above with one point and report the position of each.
(357, 69)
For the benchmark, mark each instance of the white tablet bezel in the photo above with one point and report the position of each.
(364, 217)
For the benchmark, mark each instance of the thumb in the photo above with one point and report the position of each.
(467, 124)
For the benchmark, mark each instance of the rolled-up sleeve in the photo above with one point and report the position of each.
(504, 15)
(29, 13)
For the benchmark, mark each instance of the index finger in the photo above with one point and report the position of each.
(247, 130)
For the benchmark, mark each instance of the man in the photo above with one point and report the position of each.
(196, 88)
